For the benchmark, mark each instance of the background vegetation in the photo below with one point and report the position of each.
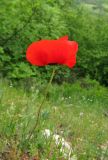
(23, 22)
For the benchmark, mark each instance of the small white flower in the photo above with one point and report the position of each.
(55, 108)
(47, 133)
(91, 100)
(81, 114)
(62, 98)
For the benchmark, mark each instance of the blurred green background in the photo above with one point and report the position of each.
(25, 21)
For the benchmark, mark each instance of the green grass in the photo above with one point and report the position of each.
(78, 112)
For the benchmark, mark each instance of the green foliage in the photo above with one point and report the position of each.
(23, 22)
(90, 32)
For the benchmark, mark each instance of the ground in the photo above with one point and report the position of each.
(78, 112)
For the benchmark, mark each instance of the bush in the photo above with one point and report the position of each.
(50, 20)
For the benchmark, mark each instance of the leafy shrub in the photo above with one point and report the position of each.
(50, 20)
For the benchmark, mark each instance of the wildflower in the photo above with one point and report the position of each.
(45, 52)
(81, 114)
(47, 133)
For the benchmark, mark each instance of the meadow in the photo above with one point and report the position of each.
(70, 121)
(78, 112)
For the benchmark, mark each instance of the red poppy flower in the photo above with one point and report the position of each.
(45, 52)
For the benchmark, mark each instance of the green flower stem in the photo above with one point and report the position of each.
(41, 105)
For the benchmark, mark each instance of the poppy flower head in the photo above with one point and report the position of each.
(45, 52)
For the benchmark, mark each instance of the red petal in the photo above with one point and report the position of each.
(64, 38)
(46, 52)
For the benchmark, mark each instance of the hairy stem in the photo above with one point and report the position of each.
(41, 105)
